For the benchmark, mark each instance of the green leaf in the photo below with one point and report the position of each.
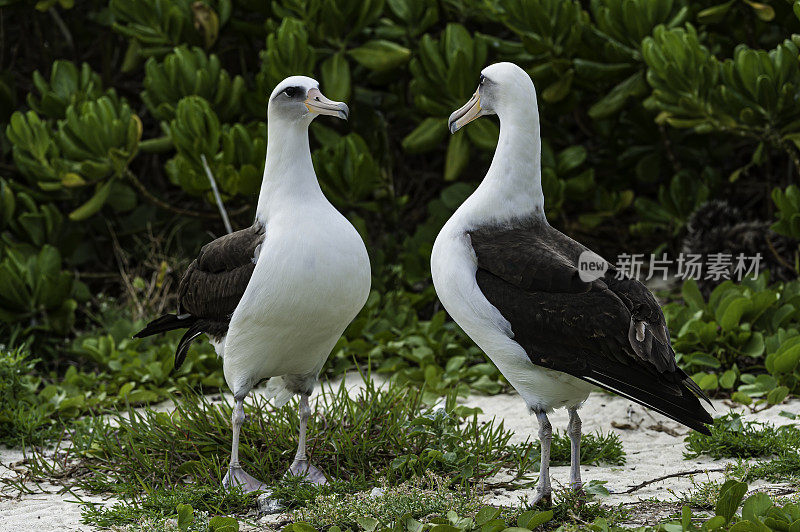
(223, 524)
(708, 382)
(633, 86)
(763, 11)
(692, 296)
(733, 313)
(426, 136)
(536, 519)
(731, 495)
(457, 156)
(787, 361)
(185, 516)
(714, 14)
(486, 514)
(728, 379)
(570, 158)
(94, 204)
(335, 72)
(369, 524)
(777, 395)
(756, 506)
(559, 90)
(381, 55)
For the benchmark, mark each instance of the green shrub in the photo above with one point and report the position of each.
(742, 339)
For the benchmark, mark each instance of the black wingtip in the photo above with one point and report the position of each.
(703, 429)
(183, 346)
(167, 322)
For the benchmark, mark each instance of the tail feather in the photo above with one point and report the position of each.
(276, 388)
(685, 409)
(183, 346)
(170, 322)
(167, 322)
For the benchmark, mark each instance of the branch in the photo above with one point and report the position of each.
(217, 197)
(177, 210)
(673, 475)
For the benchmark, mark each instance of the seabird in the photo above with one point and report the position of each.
(513, 283)
(274, 298)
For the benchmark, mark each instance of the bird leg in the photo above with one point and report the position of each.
(544, 491)
(236, 475)
(574, 433)
(301, 467)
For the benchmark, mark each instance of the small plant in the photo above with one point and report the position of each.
(733, 437)
(727, 342)
(422, 497)
(381, 433)
(23, 419)
(194, 507)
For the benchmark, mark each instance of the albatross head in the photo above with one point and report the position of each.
(298, 99)
(504, 89)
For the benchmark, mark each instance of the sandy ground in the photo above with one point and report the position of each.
(654, 447)
(653, 444)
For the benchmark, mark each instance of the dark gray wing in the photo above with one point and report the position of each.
(608, 332)
(211, 289)
(215, 281)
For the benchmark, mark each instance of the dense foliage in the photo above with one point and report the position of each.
(648, 107)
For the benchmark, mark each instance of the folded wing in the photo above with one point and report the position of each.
(610, 332)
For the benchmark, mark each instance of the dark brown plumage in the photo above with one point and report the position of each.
(590, 330)
(211, 289)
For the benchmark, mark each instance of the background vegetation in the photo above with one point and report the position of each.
(649, 108)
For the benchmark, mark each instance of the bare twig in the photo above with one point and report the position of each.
(217, 197)
(177, 210)
(672, 475)
(777, 255)
(62, 27)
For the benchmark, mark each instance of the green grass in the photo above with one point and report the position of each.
(24, 418)
(159, 504)
(380, 436)
(780, 468)
(596, 449)
(733, 437)
(380, 433)
(423, 497)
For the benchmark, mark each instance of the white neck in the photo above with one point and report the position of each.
(289, 179)
(513, 183)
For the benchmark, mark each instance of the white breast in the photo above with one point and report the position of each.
(312, 277)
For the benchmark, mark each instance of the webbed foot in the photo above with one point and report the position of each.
(305, 469)
(236, 476)
(542, 499)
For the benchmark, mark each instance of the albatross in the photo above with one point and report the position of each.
(513, 284)
(275, 297)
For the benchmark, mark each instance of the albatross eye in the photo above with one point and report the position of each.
(481, 79)
(291, 92)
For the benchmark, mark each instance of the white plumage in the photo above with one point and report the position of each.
(276, 297)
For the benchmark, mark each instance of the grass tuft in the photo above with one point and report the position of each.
(159, 504)
(379, 433)
(733, 437)
(422, 498)
(596, 449)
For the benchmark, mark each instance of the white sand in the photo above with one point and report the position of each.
(650, 454)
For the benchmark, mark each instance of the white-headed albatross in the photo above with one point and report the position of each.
(274, 298)
(512, 283)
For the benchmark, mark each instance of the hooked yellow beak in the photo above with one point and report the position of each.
(317, 103)
(466, 114)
